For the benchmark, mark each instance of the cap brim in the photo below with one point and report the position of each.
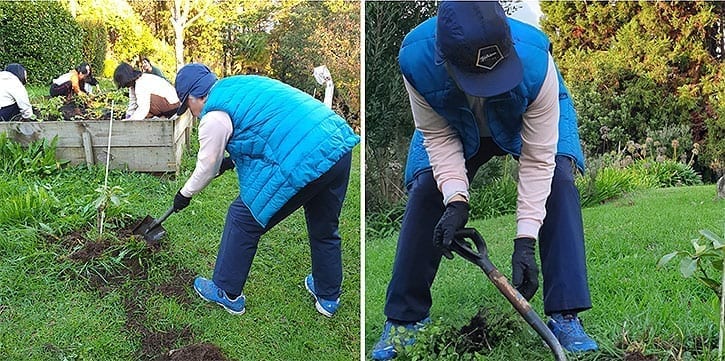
(183, 106)
(505, 76)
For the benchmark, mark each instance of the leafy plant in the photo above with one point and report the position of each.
(107, 197)
(37, 158)
(706, 265)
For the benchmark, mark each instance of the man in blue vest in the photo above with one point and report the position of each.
(289, 151)
(482, 85)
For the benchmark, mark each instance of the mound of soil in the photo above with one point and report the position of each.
(155, 345)
(477, 334)
(197, 352)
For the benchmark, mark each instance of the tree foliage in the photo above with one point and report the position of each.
(94, 42)
(309, 34)
(388, 121)
(635, 68)
(42, 36)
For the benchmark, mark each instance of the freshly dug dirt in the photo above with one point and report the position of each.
(134, 270)
(177, 287)
(477, 334)
(197, 352)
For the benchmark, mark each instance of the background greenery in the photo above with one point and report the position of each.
(642, 74)
(281, 39)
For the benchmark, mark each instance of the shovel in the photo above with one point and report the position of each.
(479, 256)
(151, 229)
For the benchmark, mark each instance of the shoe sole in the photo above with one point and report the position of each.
(318, 306)
(233, 312)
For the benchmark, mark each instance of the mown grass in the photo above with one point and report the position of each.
(636, 307)
(48, 313)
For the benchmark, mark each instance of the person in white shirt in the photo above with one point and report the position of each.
(74, 82)
(149, 95)
(14, 100)
(482, 85)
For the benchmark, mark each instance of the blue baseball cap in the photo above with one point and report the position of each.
(193, 79)
(474, 40)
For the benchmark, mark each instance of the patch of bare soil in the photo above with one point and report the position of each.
(477, 334)
(196, 352)
(482, 333)
(155, 345)
(177, 287)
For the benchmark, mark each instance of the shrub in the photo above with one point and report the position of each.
(40, 35)
(667, 173)
(94, 44)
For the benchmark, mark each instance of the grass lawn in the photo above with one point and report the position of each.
(638, 310)
(55, 307)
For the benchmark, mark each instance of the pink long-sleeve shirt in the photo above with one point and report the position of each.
(539, 135)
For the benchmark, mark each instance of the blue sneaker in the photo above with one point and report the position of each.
(323, 306)
(394, 334)
(568, 329)
(207, 290)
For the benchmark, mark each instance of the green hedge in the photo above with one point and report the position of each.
(42, 36)
(94, 44)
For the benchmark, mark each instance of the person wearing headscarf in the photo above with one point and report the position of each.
(14, 100)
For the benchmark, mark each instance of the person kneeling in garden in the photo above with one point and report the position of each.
(482, 85)
(14, 100)
(148, 95)
(73, 82)
(290, 151)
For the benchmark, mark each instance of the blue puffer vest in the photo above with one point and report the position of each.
(283, 139)
(503, 112)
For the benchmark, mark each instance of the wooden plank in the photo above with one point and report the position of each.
(139, 133)
(150, 159)
(140, 145)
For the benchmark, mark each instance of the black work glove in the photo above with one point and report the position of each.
(226, 165)
(180, 201)
(525, 272)
(453, 219)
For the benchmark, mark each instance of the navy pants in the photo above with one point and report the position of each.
(561, 244)
(322, 200)
(10, 113)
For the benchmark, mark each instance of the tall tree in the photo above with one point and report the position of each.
(182, 18)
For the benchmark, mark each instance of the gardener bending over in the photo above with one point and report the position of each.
(482, 85)
(14, 100)
(73, 82)
(148, 95)
(290, 151)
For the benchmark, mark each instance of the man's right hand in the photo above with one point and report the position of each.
(454, 218)
(180, 201)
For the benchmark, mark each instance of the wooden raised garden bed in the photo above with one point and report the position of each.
(153, 146)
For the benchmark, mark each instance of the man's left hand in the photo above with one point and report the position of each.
(227, 164)
(525, 272)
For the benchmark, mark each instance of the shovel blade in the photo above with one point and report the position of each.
(146, 229)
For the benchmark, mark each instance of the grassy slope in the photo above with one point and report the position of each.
(637, 307)
(46, 315)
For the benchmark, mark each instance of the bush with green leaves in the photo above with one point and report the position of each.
(636, 67)
(40, 35)
(94, 43)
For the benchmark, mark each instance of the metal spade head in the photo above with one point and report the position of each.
(149, 229)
